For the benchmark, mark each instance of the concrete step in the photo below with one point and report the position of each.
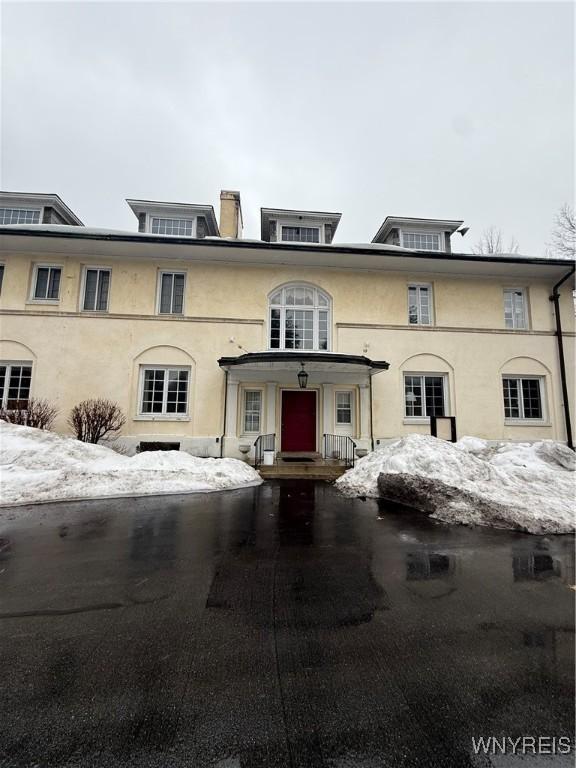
(313, 455)
(305, 471)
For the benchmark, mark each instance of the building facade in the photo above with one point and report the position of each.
(205, 339)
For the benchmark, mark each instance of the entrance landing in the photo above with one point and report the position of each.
(302, 465)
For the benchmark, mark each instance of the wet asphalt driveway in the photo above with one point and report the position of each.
(276, 626)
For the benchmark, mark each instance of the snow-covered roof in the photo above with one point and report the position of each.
(373, 256)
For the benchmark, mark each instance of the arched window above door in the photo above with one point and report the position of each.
(300, 318)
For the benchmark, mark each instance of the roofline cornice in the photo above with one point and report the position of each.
(81, 234)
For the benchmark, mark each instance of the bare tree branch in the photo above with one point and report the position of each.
(563, 242)
(492, 241)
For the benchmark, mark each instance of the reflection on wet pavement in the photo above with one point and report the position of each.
(282, 625)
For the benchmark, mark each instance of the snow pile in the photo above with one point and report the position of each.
(529, 487)
(41, 466)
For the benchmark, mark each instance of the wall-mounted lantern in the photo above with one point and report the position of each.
(302, 377)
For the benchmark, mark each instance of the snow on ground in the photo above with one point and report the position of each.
(36, 465)
(529, 487)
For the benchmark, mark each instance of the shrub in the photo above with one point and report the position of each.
(34, 412)
(92, 420)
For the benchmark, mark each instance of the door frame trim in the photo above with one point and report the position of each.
(316, 391)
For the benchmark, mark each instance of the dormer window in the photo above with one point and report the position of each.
(181, 227)
(286, 226)
(19, 215)
(301, 234)
(422, 241)
(418, 234)
(175, 219)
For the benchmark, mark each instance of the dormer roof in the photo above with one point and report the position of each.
(176, 210)
(307, 218)
(41, 202)
(404, 222)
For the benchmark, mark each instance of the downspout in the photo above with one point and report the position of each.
(555, 299)
(225, 408)
(371, 414)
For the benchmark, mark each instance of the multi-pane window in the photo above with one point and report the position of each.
(96, 290)
(301, 234)
(182, 227)
(344, 408)
(420, 304)
(172, 293)
(522, 397)
(47, 285)
(424, 395)
(19, 216)
(423, 241)
(15, 384)
(164, 391)
(252, 410)
(299, 318)
(515, 315)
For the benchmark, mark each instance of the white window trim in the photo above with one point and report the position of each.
(441, 238)
(141, 416)
(446, 389)
(32, 298)
(524, 292)
(316, 308)
(431, 294)
(319, 225)
(243, 431)
(159, 291)
(522, 421)
(193, 218)
(25, 208)
(85, 269)
(8, 364)
(345, 428)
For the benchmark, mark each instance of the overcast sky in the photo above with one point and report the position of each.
(450, 110)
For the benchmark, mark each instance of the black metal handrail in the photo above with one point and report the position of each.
(340, 447)
(263, 443)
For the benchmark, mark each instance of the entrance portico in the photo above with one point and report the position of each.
(264, 396)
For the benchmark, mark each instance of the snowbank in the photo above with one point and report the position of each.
(41, 466)
(529, 487)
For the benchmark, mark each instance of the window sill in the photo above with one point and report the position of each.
(420, 325)
(526, 423)
(161, 417)
(170, 314)
(94, 311)
(52, 302)
(416, 420)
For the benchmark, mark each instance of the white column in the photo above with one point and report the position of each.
(327, 427)
(270, 416)
(231, 408)
(365, 411)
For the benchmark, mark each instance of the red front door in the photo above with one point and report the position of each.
(298, 421)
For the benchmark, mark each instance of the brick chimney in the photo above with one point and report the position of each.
(230, 214)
